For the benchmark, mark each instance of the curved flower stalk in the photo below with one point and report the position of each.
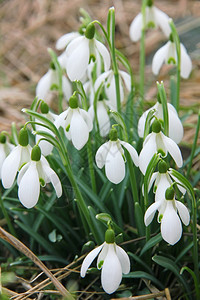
(102, 117)
(51, 79)
(111, 154)
(35, 173)
(45, 146)
(112, 260)
(174, 121)
(110, 88)
(167, 54)
(162, 180)
(20, 155)
(5, 149)
(81, 51)
(171, 228)
(157, 142)
(76, 123)
(154, 17)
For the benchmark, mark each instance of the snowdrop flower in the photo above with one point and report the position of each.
(65, 39)
(112, 260)
(81, 51)
(167, 54)
(109, 79)
(102, 117)
(171, 228)
(51, 79)
(157, 142)
(76, 122)
(162, 180)
(111, 154)
(35, 173)
(154, 17)
(174, 121)
(5, 149)
(45, 146)
(19, 156)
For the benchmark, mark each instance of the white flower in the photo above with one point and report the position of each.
(65, 39)
(157, 142)
(113, 261)
(76, 122)
(111, 154)
(34, 173)
(167, 54)
(154, 17)
(81, 50)
(102, 117)
(109, 79)
(50, 79)
(174, 121)
(5, 149)
(171, 228)
(19, 156)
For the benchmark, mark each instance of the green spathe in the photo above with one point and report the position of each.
(36, 153)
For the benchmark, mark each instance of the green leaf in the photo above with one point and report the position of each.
(151, 243)
(139, 219)
(142, 274)
(163, 98)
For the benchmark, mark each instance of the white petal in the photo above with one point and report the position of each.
(104, 53)
(115, 166)
(186, 63)
(124, 260)
(175, 122)
(29, 188)
(78, 60)
(101, 154)
(101, 79)
(46, 147)
(153, 178)
(133, 153)
(179, 184)
(174, 150)
(159, 58)
(103, 119)
(162, 185)
(183, 212)
(60, 120)
(150, 212)
(171, 228)
(79, 130)
(111, 274)
(44, 85)
(162, 20)
(53, 178)
(10, 167)
(89, 259)
(136, 28)
(25, 155)
(126, 78)
(87, 118)
(147, 152)
(102, 256)
(65, 39)
(22, 172)
(66, 87)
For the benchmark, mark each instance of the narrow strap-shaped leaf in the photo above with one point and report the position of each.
(151, 243)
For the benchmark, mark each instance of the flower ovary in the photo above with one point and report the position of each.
(44, 108)
(156, 126)
(169, 193)
(2, 138)
(73, 101)
(113, 134)
(90, 31)
(36, 153)
(162, 167)
(23, 137)
(110, 236)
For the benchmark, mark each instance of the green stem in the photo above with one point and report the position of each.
(142, 55)
(134, 187)
(91, 167)
(4, 211)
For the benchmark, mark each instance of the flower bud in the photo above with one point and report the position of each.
(36, 153)
(23, 137)
(113, 134)
(73, 101)
(110, 236)
(169, 194)
(156, 126)
(162, 167)
(2, 138)
(90, 31)
(44, 108)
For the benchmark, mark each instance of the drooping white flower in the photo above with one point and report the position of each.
(110, 89)
(5, 149)
(157, 142)
(80, 52)
(174, 121)
(46, 147)
(35, 173)
(171, 228)
(154, 17)
(113, 262)
(111, 154)
(51, 79)
(102, 117)
(19, 156)
(76, 122)
(65, 39)
(167, 54)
